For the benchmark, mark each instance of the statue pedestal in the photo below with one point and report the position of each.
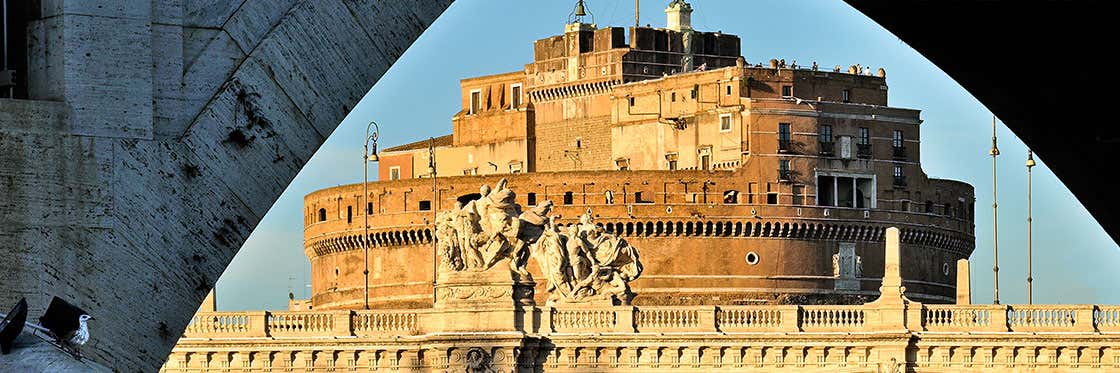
(495, 300)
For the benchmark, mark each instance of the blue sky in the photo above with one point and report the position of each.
(1074, 258)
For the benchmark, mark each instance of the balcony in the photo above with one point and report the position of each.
(827, 148)
(863, 150)
(899, 152)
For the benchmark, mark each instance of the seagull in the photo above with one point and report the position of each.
(67, 324)
(12, 326)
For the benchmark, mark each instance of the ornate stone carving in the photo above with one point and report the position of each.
(477, 361)
(484, 232)
(583, 263)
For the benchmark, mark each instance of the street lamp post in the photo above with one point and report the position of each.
(368, 154)
(994, 152)
(1030, 255)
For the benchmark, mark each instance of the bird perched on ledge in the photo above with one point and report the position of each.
(12, 326)
(67, 324)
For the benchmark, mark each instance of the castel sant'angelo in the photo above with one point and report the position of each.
(646, 199)
(741, 183)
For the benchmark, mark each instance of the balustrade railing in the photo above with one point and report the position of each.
(832, 318)
(760, 318)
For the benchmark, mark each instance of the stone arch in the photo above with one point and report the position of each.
(322, 214)
(649, 228)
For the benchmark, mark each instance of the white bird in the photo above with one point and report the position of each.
(81, 335)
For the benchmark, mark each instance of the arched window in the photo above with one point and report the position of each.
(322, 214)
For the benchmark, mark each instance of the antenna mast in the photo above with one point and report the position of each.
(637, 11)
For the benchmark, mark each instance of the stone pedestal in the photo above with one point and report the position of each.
(494, 300)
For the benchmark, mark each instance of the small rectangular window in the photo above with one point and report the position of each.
(826, 133)
(672, 165)
(864, 136)
(772, 198)
(799, 195)
(568, 198)
(515, 96)
(425, 205)
(783, 170)
(846, 95)
(787, 91)
(531, 199)
(369, 208)
(476, 102)
(725, 123)
(729, 90)
(673, 97)
(394, 173)
(631, 100)
(896, 139)
(349, 214)
(695, 88)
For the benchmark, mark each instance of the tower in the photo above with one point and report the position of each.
(678, 16)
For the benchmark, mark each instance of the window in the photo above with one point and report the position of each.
(731, 197)
(395, 173)
(631, 100)
(798, 195)
(825, 137)
(783, 136)
(531, 199)
(672, 159)
(826, 133)
(515, 96)
(515, 168)
(846, 95)
(897, 146)
(579, 142)
(899, 177)
(929, 207)
(425, 205)
(567, 198)
(369, 208)
(638, 198)
(673, 165)
(622, 163)
(322, 214)
(847, 190)
(783, 170)
(673, 97)
(695, 88)
(752, 188)
(476, 101)
(863, 147)
(787, 91)
(729, 90)
(470, 171)
(772, 198)
(349, 214)
(705, 161)
(725, 123)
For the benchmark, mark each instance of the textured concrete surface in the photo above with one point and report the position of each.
(33, 354)
(158, 134)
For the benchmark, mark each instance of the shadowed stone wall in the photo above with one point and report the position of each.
(158, 133)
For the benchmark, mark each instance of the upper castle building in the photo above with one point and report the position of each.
(741, 182)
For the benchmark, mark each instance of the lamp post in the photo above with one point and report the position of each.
(994, 152)
(1030, 255)
(368, 154)
(435, 209)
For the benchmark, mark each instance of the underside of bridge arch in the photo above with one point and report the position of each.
(156, 134)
